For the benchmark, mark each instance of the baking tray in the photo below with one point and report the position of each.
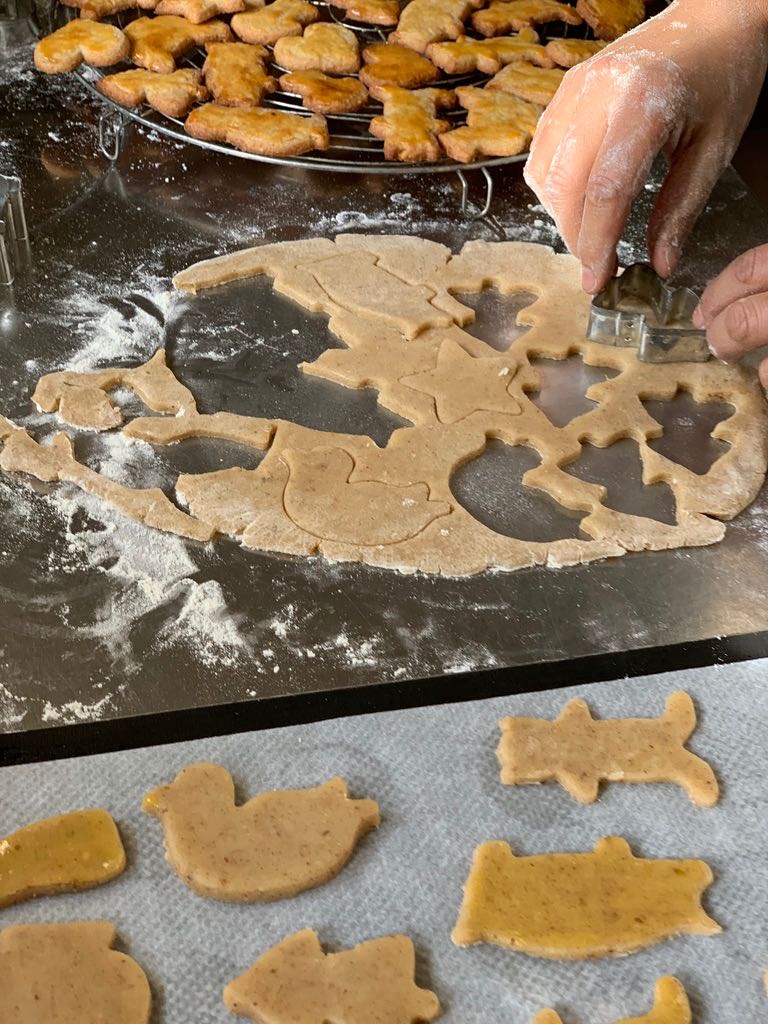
(434, 772)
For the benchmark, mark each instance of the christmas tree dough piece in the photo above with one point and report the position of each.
(69, 852)
(671, 1006)
(296, 981)
(578, 751)
(69, 974)
(274, 846)
(581, 906)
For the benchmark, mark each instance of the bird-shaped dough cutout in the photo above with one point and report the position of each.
(66, 853)
(295, 982)
(580, 906)
(69, 974)
(670, 1006)
(274, 846)
(356, 512)
(579, 751)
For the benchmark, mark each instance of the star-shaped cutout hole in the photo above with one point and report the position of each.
(462, 384)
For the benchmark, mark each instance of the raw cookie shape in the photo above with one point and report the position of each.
(409, 125)
(198, 11)
(497, 125)
(173, 95)
(67, 853)
(297, 981)
(280, 18)
(389, 64)
(567, 53)
(321, 498)
(430, 21)
(488, 55)
(512, 15)
(536, 85)
(323, 94)
(95, 10)
(78, 41)
(156, 43)
(323, 47)
(235, 74)
(371, 12)
(581, 906)
(82, 400)
(579, 751)
(68, 973)
(258, 130)
(610, 19)
(275, 845)
(671, 1006)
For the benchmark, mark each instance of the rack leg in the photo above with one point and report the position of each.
(111, 132)
(477, 212)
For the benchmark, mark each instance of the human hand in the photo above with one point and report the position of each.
(686, 83)
(734, 309)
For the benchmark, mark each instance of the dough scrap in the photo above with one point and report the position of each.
(536, 85)
(297, 981)
(52, 972)
(513, 15)
(268, 24)
(371, 12)
(671, 1006)
(173, 95)
(567, 53)
(78, 41)
(578, 751)
(198, 11)
(610, 19)
(66, 853)
(323, 47)
(498, 124)
(389, 64)
(325, 95)
(581, 906)
(236, 75)
(156, 43)
(489, 55)
(409, 125)
(274, 846)
(259, 130)
(430, 21)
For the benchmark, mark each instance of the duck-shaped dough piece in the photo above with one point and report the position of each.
(276, 845)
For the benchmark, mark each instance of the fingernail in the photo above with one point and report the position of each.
(588, 281)
(667, 256)
(698, 318)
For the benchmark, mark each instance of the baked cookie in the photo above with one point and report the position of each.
(257, 130)
(371, 12)
(95, 10)
(537, 85)
(235, 74)
(389, 64)
(610, 19)
(323, 94)
(157, 42)
(280, 18)
(511, 15)
(198, 11)
(497, 125)
(323, 47)
(173, 95)
(489, 55)
(409, 125)
(567, 53)
(78, 41)
(430, 21)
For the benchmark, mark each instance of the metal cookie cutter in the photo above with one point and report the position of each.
(639, 310)
(14, 241)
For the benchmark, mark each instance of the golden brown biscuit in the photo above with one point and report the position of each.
(489, 55)
(95, 10)
(174, 94)
(497, 125)
(325, 95)
(389, 64)
(278, 19)
(610, 19)
(372, 12)
(430, 21)
(409, 125)
(512, 15)
(257, 130)
(157, 42)
(235, 74)
(78, 41)
(567, 53)
(323, 47)
(198, 11)
(537, 85)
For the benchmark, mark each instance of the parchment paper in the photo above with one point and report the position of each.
(434, 772)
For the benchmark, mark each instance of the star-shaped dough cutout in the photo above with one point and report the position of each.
(462, 384)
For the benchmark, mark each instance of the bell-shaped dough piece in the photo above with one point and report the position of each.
(295, 982)
(274, 846)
